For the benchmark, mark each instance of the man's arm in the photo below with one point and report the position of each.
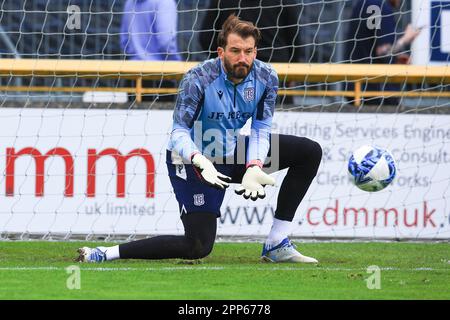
(386, 43)
(187, 109)
(401, 44)
(189, 103)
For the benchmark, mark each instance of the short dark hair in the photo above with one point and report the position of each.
(242, 28)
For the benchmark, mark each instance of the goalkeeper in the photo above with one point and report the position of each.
(205, 154)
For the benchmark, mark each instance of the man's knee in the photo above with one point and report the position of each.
(309, 156)
(200, 233)
(199, 249)
(315, 152)
(308, 150)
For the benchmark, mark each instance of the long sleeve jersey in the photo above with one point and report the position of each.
(210, 110)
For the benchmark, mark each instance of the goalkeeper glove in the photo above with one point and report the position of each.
(253, 183)
(206, 171)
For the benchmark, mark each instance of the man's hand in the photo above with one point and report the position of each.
(410, 34)
(403, 58)
(253, 183)
(400, 45)
(207, 172)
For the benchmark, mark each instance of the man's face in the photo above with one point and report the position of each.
(237, 56)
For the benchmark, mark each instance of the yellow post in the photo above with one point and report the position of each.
(139, 89)
(357, 101)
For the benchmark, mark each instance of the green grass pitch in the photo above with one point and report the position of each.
(37, 270)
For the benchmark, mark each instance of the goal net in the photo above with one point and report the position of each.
(83, 147)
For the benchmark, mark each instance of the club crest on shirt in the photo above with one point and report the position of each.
(249, 94)
(199, 199)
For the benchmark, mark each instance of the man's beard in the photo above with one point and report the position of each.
(237, 71)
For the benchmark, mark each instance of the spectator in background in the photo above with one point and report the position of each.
(148, 32)
(149, 29)
(278, 21)
(372, 38)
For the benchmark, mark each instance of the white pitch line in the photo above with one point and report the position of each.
(212, 268)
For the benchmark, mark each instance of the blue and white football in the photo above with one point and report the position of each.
(371, 168)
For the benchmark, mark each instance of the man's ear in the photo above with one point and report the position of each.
(256, 52)
(220, 52)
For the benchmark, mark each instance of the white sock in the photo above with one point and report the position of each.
(280, 230)
(112, 253)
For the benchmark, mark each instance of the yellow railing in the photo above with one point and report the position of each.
(300, 72)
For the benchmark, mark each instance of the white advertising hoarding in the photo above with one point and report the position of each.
(415, 205)
(104, 172)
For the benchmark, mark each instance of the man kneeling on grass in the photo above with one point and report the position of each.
(220, 95)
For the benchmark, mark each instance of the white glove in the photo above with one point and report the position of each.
(208, 173)
(253, 183)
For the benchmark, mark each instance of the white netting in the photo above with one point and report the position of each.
(56, 139)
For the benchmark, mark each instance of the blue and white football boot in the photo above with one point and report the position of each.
(285, 251)
(92, 254)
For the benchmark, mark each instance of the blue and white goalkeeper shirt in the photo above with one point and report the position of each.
(210, 110)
